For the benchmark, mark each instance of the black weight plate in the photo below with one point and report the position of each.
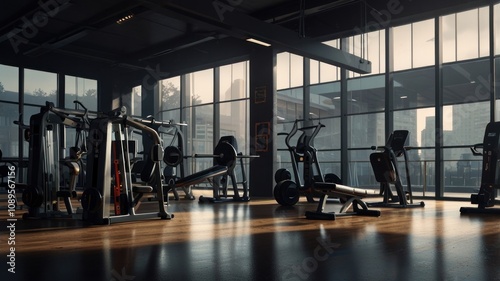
(225, 155)
(91, 200)
(288, 192)
(332, 178)
(32, 197)
(172, 156)
(281, 175)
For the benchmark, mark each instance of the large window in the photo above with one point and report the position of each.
(370, 46)
(190, 99)
(290, 105)
(325, 100)
(465, 99)
(413, 45)
(234, 117)
(200, 115)
(136, 97)
(365, 130)
(366, 94)
(9, 110)
(82, 90)
(170, 99)
(289, 70)
(466, 35)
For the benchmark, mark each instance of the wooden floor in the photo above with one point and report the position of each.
(260, 240)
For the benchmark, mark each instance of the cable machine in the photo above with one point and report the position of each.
(109, 181)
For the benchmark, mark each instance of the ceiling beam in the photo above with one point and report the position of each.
(226, 18)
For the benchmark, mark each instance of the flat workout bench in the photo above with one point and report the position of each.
(354, 198)
(225, 156)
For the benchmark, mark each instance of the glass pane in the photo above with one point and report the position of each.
(354, 46)
(484, 32)
(464, 124)
(423, 43)
(201, 138)
(9, 83)
(39, 87)
(290, 105)
(81, 89)
(328, 72)
(360, 170)
(170, 95)
(285, 127)
(233, 81)
(330, 162)
(325, 100)
(365, 130)
(414, 88)
(366, 94)
(421, 166)
(466, 82)
(283, 70)
(497, 89)
(137, 101)
(462, 172)
(449, 38)
(234, 122)
(9, 138)
(173, 114)
(402, 47)
(420, 123)
(376, 51)
(467, 35)
(314, 71)
(296, 71)
(201, 86)
(203, 125)
(329, 136)
(496, 22)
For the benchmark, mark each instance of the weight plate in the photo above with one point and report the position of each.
(91, 200)
(332, 178)
(281, 175)
(32, 197)
(172, 156)
(225, 155)
(288, 193)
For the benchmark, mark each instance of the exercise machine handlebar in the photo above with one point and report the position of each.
(475, 148)
(75, 112)
(169, 123)
(295, 128)
(384, 147)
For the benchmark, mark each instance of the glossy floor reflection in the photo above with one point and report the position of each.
(259, 240)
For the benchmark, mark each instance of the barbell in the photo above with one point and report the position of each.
(224, 155)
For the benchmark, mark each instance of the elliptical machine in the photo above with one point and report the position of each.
(490, 180)
(311, 167)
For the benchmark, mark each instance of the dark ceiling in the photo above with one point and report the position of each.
(82, 37)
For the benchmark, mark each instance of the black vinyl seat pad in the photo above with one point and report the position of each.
(202, 176)
(346, 190)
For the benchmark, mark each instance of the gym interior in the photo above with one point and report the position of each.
(249, 140)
